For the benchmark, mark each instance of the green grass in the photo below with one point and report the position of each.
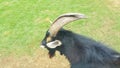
(23, 23)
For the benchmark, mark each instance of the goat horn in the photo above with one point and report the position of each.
(63, 20)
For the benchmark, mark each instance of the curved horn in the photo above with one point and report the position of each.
(63, 20)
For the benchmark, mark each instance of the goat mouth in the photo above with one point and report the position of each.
(51, 52)
(42, 46)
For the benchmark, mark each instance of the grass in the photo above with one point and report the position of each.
(23, 24)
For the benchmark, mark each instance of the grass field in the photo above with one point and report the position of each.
(23, 24)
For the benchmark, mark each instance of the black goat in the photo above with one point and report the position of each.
(82, 52)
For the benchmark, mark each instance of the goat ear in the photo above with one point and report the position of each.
(54, 44)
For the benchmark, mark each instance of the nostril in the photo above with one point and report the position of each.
(43, 43)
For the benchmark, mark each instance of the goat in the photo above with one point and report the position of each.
(81, 52)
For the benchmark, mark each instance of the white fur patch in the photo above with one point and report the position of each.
(54, 44)
(42, 46)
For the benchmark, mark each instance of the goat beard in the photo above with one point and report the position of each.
(51, 53)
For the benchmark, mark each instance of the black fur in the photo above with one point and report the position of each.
(83, 52)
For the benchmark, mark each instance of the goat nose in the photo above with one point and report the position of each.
(43, 44)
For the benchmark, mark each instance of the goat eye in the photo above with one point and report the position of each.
(48, 39)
